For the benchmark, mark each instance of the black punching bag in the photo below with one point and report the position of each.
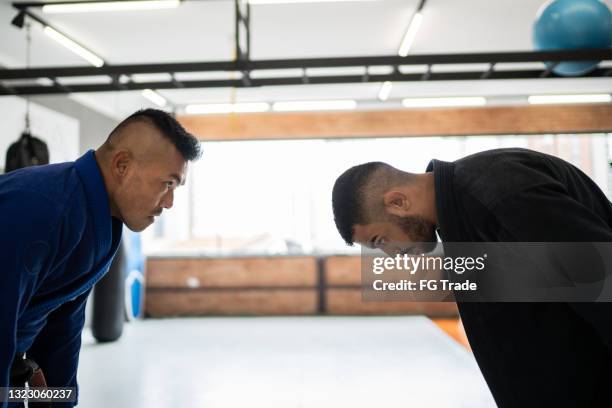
(108, 300)
(27, 151)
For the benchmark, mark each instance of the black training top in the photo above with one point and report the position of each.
(531, 354)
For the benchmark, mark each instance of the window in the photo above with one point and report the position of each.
(274, 197)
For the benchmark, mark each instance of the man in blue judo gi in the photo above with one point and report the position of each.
(60, 226)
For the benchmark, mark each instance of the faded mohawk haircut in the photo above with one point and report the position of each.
(187, 144)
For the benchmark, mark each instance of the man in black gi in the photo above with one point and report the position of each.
(531, 354)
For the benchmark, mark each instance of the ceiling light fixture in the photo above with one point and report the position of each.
(314, 105)
(78, 49)
(264, 2)
(19, 20)
(410, 35)
(444, 102)
(242, 107)
(560, 99)
(385, 91)
(101, 6)
(154, 97)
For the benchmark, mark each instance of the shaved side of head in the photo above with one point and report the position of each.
(165, 125)
(143, 146)
(382, 179)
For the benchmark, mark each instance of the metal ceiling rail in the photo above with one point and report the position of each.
(336, 62)
(30, 81)
(247, 66)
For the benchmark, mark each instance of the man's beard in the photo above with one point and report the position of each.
(422, 234)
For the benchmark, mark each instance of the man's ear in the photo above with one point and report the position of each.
(120, 164)
(396, 203)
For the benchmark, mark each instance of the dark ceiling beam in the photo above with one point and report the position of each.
(425, 59)
(238, 83)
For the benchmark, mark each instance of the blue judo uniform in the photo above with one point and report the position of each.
(57, 239)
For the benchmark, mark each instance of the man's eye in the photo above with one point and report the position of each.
(169, 184)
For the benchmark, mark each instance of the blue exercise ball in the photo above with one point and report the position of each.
(572, 24)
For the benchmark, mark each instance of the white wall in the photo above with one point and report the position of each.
(59, 131)
(94, 127)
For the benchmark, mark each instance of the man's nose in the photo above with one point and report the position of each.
(168, 199)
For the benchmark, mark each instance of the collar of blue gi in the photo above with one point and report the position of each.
(98, 202)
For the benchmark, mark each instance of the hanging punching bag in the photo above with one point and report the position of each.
(108, 309)
(27, 151)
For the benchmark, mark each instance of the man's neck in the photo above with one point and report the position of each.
(107, 184)
(430, 198)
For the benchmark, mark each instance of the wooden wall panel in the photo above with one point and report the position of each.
(415, 122)
(348, 302)
(223, 302)
(267, 286)
(232, 272)
(342, 270)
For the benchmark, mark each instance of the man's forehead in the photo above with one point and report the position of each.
(167, 167)
(179, 178)
(178, 173)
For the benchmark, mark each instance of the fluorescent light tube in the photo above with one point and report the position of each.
(262, 2)
(410, 35)
(86, 7)
(385, 91)
(243, 107)
(441, 102)
(555, 99)
(154, 97)
(84, 53)
(314, 105)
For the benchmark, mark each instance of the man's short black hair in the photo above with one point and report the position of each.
(348, 196)
(187, 144)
